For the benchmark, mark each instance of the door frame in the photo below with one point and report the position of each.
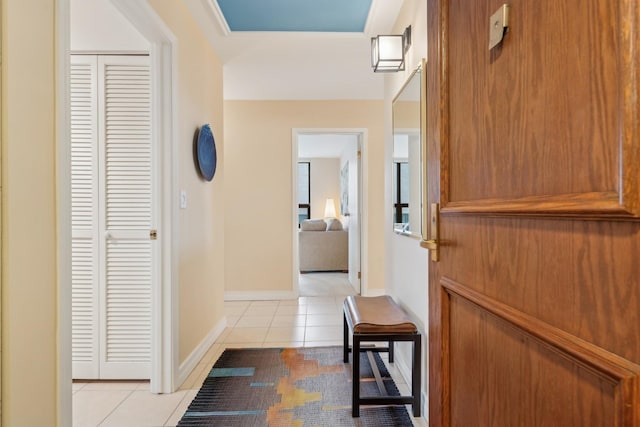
(164, 296)
(164, 343)
(361, 137)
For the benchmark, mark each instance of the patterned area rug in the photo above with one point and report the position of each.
(289, 387)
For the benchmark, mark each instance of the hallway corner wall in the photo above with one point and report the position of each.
(201, 234)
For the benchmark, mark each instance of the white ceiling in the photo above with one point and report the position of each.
(297, 65)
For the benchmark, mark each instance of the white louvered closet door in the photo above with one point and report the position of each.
(123, 261)
(84, 216)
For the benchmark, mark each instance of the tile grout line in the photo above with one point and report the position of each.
(116, 407)
(166, 422)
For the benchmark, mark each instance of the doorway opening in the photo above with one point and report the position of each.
(327, 166)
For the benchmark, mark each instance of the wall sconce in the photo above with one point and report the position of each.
(387, 52)
(329, 209)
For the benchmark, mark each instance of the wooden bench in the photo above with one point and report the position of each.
(375, 319)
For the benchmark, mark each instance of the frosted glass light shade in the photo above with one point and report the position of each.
(387, 51)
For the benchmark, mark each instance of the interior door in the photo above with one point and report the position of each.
(112, 216)
(126, 216)
(534, 160)
(84, 216)
(354, 209)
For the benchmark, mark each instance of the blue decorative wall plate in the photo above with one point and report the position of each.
(206, 153)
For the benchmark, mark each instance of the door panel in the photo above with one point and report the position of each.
(125, 117)
(557, 104)
(84, 216)
(560, 272)
(512, 374)
(534, 111)
(534, 305)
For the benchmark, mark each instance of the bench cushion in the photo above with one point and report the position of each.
(377, 315)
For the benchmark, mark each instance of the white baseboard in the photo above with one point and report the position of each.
(373, 292)
(259, 295)
(198, 353)
(403, 367)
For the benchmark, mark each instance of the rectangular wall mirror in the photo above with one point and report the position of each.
(407, 169)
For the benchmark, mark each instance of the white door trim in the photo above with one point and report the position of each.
(163, 53)
(362, 135)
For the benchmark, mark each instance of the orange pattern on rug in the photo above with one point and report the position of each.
(292, 396)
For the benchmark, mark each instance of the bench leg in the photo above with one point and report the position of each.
(391, 348)
(416, 375)
(345, 339)
(355, 403)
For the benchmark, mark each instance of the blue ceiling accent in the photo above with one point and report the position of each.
(296, 15)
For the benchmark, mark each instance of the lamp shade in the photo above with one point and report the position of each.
(329, 209)
(387, 53)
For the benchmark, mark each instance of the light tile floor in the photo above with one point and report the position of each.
(307, 321)
(324, 284)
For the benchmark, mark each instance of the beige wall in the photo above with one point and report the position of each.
(325, 184)
(406, 114)
(201, 224)
(29, 357)
(258, 162)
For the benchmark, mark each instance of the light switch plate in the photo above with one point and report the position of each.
(183, 199)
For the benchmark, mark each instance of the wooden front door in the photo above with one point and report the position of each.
(534, 159)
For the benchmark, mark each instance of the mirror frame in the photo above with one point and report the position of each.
(424, 233)
(422, 179)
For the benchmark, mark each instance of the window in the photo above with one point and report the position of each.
(304, 191)
(401, 192)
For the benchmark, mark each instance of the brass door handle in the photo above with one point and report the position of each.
(430, 244)
(433, 245)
